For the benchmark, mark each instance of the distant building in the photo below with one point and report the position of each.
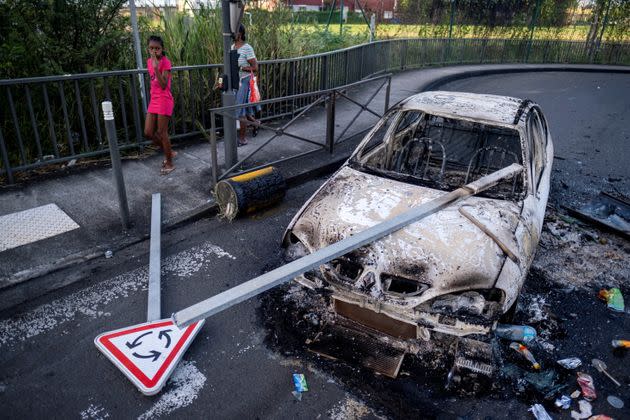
(384, 9)
(306, 5)
(151, 7)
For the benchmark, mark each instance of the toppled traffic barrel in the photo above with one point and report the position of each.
(250, 192)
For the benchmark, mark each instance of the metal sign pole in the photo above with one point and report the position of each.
(110, 128)
(154, 300)
(289, 271)
(228, 98)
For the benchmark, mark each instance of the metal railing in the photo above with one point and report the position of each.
(52, 120)
(327, 97)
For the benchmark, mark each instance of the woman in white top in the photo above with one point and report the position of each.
(246, 64)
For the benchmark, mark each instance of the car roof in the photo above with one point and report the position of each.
(503, 110)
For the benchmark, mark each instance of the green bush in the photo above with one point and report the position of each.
(40, 37)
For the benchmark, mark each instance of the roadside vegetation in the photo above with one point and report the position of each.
(59, 37)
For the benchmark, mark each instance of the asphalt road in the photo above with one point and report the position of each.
(49, 366)
(589, 119)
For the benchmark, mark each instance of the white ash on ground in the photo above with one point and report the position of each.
(574, 254)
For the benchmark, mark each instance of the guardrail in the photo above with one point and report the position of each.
(52, 120)
(326, 97)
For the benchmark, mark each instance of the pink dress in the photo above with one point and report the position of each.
(162, 102)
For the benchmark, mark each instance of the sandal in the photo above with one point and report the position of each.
(242, 143)
(166, 171)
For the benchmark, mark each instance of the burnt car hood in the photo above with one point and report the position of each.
(445, 250)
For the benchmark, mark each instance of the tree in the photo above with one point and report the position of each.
(40, 37)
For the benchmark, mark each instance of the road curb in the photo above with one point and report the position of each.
(529, 68)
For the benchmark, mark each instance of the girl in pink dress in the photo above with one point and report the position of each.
(161, 104)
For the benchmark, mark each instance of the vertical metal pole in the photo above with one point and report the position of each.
(332, 9)
(387, 93)
(136, 45)
(213, 149)
(5, 159)
(341, 18)
(450, 30)
(228, 98)
(403, 54)
(110, 128)
(330, 122)
(601, 34)
(372, 27)
(531, 33)
(450, 27)
(358, 3)
(323, 74)
(154, 301)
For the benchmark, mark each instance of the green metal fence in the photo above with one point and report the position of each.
(55, 119)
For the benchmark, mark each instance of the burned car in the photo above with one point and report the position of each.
(459, 270)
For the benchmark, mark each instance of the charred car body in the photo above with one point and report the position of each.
(457, 271)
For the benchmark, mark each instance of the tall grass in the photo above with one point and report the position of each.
(195, 38)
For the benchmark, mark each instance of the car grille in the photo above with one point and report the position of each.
(375, 321)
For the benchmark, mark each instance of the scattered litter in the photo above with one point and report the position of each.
(608, 212)
(586, 383)
(299, 380)
(586, 410)
(297, 395)
(563, 402)
(522, 333)
(601, 366)
(526, 353)
(613, 298)
(615, 401)
(570, 363)
(109, 254)
(621, 344)
(576, 394)
(546, 383)
(539, 412)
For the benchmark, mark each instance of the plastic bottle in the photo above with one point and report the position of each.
(526, 353)
(621, 344)
(522, 333)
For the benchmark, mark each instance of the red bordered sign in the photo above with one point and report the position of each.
(147, 353)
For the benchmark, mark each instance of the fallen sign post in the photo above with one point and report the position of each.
(147, 353)
(287, 272)
(155, 252)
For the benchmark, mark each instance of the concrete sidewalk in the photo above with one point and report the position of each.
(90, 200)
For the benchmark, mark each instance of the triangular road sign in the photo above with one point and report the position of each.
(147, 353)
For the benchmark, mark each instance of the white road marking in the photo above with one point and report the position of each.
(32, 225)
(182, 389)
(92, 300)
(94, 412)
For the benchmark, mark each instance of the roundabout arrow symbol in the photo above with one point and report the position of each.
(168, 337)
(154, 355)
(136, 343)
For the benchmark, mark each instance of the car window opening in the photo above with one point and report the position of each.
(442, 153)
